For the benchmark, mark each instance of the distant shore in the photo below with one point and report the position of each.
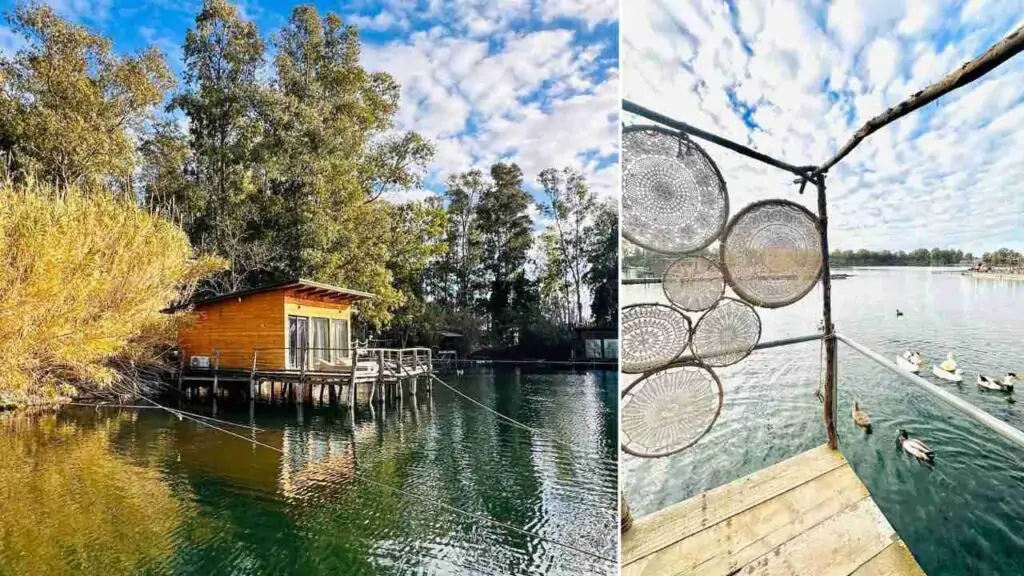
(998, 275)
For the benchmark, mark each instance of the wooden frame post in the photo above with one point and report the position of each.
(216, 369)
(181, 369)
(252, 376)
(829, 404)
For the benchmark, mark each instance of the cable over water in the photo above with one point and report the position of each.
(388, 487)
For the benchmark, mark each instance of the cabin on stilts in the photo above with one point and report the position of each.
(293, 331)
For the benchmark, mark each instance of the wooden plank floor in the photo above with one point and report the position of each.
(806, 515)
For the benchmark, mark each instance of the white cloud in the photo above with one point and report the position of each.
(539, 97)
(10, 42)
(943, 176)
(81, 10)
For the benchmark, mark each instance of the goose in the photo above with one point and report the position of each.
(915, 447)
(860, 417)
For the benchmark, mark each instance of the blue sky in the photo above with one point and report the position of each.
(531, 81)
(795, 79)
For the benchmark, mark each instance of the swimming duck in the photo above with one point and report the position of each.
(898, 313)
(458, 372)
(1007, 382)
(986, 383)
(915, 447)
(860, 417)
(949, 365)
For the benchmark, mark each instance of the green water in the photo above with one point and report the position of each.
(965, 515)
(129, 491)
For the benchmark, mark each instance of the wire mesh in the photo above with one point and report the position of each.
(653, 335)
(693, 283)
(727, 333)
(771, 253)
(674, 198)
(667, 411)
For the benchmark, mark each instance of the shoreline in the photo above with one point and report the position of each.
(997, 276)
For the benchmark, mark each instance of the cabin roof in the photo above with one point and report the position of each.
(300, 285)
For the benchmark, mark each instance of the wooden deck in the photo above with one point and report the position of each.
(809, 514)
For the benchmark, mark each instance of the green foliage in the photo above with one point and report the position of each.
(570, 205)
(919, 257)
(603, 259)
(68, 104)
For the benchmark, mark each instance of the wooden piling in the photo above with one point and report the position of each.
(829, 403)
(216, 369)
(252, 376)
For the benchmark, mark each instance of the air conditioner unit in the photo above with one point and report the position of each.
(201, 362)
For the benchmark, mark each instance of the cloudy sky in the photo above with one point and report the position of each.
(795, 79)
(531, 81)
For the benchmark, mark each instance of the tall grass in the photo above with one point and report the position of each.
(83, 279)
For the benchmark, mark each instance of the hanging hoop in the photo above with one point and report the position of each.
(667, 411)
(653, 335)
(674, 198)
(727, 333)
(771, 253)
(693, 283)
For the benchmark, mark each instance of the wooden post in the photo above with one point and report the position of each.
(216, 368)
(829, 404)
(352, 383)
(380, 373)
(181, 369)
(252, 376)
(626, 519)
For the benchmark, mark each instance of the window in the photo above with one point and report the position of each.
(321, 341)
(298, 340)
(339, 340)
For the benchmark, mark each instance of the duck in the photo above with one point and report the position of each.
(459, 372)
(1007, 382)
(915, 447)
(949, 364)
(898, 313)
(860, 417)
(986, 383)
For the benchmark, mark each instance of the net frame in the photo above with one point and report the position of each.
(709, 359)
(666, 282)
(737, 285)
(635, 368)
(629, 393)
(683, 143)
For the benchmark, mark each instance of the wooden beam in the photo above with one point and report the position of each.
(969, 72)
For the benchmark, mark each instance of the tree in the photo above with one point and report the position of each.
(68, 104)
(603, 260)
(506, 237)
(571, 207)
(461, 269)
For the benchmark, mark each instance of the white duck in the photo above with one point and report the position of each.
(949, 365)
(1008, 380)
(915, 447)
(986, 383)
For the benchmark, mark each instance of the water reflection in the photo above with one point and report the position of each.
(203, 502)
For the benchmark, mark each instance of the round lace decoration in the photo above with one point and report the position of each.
(727, 333)
(653, 335)
(771, 253)
(673, 196)
(668, 411)
(693, 283)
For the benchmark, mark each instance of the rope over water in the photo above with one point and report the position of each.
(379, 484)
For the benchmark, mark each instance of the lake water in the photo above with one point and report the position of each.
(965, 515)
(136, 491)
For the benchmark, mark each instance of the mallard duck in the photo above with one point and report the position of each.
(860, 417)
(915, 447)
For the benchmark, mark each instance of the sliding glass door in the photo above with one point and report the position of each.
(298, 341)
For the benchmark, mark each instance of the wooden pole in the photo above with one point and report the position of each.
(352, 382)
(969, 72)
(216, 369)
(830, 329)
(252, 376)
(380, 373)
(625, 517)
(181, 369)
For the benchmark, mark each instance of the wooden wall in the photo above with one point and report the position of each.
(238, 326)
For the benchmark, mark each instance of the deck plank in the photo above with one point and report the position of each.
(896, 560)
(661, 529)
(836, 547)
(745, 537)
(809, 514)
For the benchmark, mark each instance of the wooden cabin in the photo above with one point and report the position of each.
(282, 326)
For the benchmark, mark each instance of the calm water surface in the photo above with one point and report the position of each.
(122, 491)
(965, 515)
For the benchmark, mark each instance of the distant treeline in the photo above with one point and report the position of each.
(921, 257)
